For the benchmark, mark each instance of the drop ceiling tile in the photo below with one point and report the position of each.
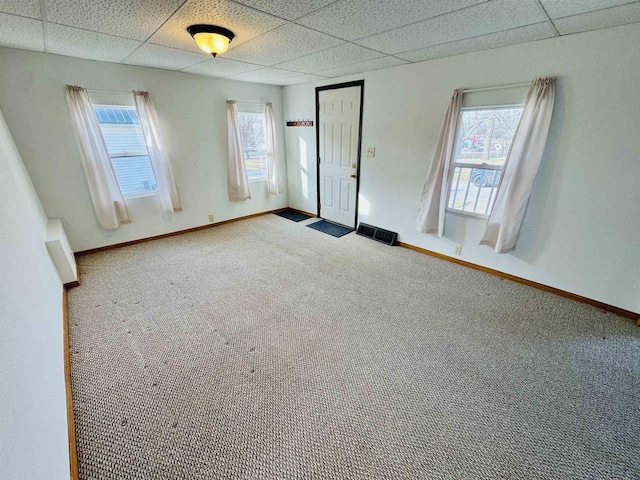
(74, 42)
(243, 21)
(339, 56)
(124, 18)
(494, 16)
(289, 9)
(485, 42)
(262, 75)
(157, 56)
(611, 17)
(296, 80)
(564, 8)
(20, 32)
(378, 63)
(351, 19)
(219, 67)
(282, 44)
(24, 8)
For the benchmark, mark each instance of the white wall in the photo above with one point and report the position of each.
(33, 415)
(582, 227)
(192, 113)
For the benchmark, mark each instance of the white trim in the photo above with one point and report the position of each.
(479, 166)
(141, 195)
(130, 154)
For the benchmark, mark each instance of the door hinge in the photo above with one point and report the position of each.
(318, 160)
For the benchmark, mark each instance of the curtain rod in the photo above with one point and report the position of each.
(253, 103)
(130, 92)
(497, 87)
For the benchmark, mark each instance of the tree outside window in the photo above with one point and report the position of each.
(482, 144)
(254, 144)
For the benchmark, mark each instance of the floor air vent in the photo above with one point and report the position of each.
(379, 234)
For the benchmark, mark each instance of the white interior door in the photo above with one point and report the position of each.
(339, 133)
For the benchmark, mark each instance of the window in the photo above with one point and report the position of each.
(254, 144)
(127, 149)
(482, 143)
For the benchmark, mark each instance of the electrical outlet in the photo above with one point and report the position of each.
(371, 152)
(457, 249)
(211, 217)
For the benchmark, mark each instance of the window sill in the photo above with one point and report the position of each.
(141, 195)
(462, 213)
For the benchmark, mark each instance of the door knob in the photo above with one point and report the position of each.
(353, 175)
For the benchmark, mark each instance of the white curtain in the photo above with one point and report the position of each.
(434, 195)
(157, 153)
(107, 198)
(521, 167)
(237, 181)
(274, 172)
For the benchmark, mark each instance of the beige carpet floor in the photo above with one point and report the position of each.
(263, 349)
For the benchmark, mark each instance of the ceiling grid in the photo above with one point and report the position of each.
(548, 18)
(284, 42)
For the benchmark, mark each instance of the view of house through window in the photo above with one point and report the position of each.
(254, 144)
(128, 151)
(483, 141)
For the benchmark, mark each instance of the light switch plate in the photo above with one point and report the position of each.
(211, 218)
(371, 152)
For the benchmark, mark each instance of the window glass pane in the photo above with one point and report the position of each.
(483, 141)
(123, 139)
(121, 130)
(135, 175)
(484, 135)
(254, 145)
(127, 149)
(473, 190)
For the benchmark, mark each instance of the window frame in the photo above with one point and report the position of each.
(144, 153)
(252, 109)
(453, 164)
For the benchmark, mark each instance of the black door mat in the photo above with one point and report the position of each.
(330, 228)
(293, 215)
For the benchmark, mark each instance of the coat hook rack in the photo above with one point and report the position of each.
(300, 123)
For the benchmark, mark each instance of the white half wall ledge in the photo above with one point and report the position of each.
(60, 251)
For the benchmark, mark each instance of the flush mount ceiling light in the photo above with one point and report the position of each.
(211, 38)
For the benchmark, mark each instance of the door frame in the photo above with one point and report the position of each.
(355, 83)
